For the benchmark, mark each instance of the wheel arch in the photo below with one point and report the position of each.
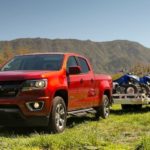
(64, 94)
(106, 88)
(108, 93)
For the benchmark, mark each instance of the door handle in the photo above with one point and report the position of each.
(92, 92)
(81, 81)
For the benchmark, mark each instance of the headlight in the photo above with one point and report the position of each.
(34, 85)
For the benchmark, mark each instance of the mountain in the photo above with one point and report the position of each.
(106, 57)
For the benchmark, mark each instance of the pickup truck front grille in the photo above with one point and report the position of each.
(9, 89)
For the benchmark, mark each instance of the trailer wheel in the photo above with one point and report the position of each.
(131, 89)
(57, 121)
(104, 110)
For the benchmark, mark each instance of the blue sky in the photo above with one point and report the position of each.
(96, 20)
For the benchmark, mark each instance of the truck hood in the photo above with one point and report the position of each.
(21, 75)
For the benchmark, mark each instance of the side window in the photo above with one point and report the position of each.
(84, 66)
(71, 62)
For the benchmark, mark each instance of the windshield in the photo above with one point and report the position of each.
(35, 62)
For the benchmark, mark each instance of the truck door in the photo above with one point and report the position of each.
(76, 90)
(88, 84)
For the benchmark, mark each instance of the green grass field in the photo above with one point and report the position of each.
(121, 131)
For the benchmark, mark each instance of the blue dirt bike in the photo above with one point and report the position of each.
(130, 84)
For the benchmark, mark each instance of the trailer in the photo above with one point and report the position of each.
(131, 101)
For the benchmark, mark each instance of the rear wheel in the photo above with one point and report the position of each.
(104, 110)
(57, 121)
(131, 89)
(144, 89)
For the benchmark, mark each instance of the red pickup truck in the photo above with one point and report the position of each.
(41, 89)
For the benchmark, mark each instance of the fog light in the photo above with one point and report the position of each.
(35, 106)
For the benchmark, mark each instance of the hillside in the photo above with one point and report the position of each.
(105, 56)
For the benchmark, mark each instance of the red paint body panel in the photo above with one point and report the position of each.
(83, 90)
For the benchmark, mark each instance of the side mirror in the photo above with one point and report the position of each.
(74, 70)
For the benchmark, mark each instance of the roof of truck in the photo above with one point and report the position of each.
(63, 53)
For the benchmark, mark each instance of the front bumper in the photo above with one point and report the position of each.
(14, 111)
(14, 117)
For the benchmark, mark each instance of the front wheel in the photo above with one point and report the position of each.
(57, 120)
(104, 110)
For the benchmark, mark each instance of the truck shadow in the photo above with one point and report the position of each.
(15, 131)
(74, 121)
(28, 131)
(130, 111)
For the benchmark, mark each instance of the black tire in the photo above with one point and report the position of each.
(57, 120)
(131, 89)
(144, 89)
(104, 110)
